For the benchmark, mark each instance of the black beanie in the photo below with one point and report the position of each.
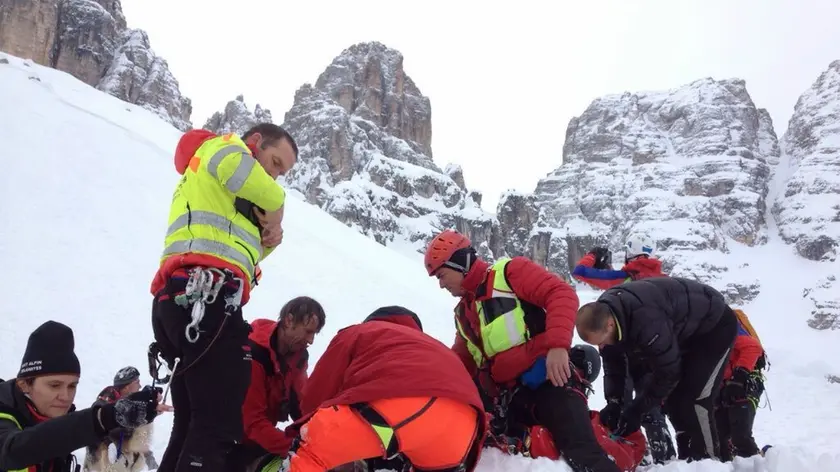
(386, 312)
(50, 351)
(461, 260)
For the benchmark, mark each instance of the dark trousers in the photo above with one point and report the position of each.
(209, 383)
(735, 425)
(691, 404)
(563, 411)
(658, 436)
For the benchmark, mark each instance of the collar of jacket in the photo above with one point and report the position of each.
(475, 277)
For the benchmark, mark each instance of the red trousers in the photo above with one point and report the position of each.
(439, 437)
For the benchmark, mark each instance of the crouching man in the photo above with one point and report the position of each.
(684, 330)
(383, 388)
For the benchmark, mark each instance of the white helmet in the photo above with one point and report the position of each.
(637, 245)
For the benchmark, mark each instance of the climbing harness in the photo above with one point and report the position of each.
(201, 290)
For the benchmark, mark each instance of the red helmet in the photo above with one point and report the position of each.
(442, 247)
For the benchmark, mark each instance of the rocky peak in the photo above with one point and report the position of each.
(89, 40)
(456, 173)
(808, 207)
(368, 81)
(364, 133)
(138, 76)
(237, 118)
(688, 166)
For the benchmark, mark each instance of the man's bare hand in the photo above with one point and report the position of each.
(272, 237)
(557, 366)
(269, 219)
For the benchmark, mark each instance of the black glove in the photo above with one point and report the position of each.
(603, 257)
(610, 414)
(630, 420)
(735, 389)
(131, 412)
(246, 208)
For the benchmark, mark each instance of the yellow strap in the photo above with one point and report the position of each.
(6, 416)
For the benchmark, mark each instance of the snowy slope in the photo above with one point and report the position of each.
(85, 187)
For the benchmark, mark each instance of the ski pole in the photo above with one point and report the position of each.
(171, 378)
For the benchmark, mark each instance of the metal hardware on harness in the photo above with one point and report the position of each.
(169, 384)
(202, 291)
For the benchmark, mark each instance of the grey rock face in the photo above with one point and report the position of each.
(808, 207)
(237, 118)
(89, 40)
(364, 133)
(689, 167)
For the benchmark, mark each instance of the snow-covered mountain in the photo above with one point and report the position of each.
(689, 167)
(807, 206)
(83, 227)
(698, 168)
(90, 40)
(364, 130)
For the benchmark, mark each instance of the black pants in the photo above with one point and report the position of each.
(735, 425)
(658, 436)
(563, 411)
(691, 404)
(209, 384)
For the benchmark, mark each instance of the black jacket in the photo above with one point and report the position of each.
(49, 444)
(657, 318)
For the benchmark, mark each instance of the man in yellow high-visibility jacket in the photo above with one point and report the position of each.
(225, 218)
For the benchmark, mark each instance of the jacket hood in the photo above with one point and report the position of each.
(646, 266)
(397, 315)
(475, 276)
(188, 145)
(262, 330)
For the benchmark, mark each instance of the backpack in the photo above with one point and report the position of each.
(744, 321)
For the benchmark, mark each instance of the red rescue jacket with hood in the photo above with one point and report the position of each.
(386, 357)
(275, 389)
(530, 282)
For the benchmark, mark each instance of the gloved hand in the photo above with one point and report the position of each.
(630, 420)
(131, 412)
(536, 375)
(603, 257)
(246, 208)
(735, 389)
(610, 414)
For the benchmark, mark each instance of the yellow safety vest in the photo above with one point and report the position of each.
(202, 217)
(500, 315)
(6, 416)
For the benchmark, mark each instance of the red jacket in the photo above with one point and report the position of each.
(745, 354)
(272, 396)
(638, 268)
(389, 357)
(532, 283)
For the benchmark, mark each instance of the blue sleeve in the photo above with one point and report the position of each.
(599, 274)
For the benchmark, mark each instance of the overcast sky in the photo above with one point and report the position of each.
(503, 81)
